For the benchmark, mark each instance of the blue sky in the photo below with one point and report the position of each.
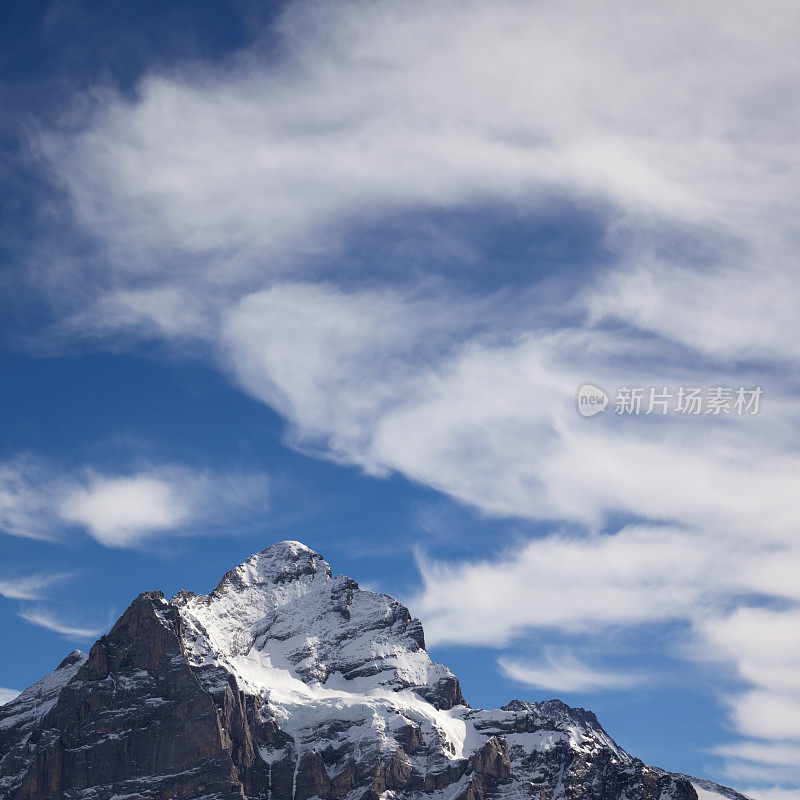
(335, 272)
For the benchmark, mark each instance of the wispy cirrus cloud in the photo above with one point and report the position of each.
(125, 509)
(763, 761)
(26, 489)
(118, 510)
(772, 794)
(561, 671)
(45, 618)
(548, 109)
(36, 587)
(29, 587)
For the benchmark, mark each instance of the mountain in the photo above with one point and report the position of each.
(287, 683)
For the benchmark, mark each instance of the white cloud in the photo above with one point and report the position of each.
(371, 378)
(763, 643)
(764, 761)
(124, 511)
(33, 587)
(694, 307)
(763, 646)
(561, 671)
(28, 587)
(118, 511)
(496, 427)
(127, 509)
(333, 362)
(7, 695)
(46, 619)
(516, 102)
(775, 793)
(638, 575)
(25, 488)
(205, 186)
(762, 752)
(241, 175)
(768, 714)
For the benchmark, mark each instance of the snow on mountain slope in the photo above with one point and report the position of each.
(19, 718)
(708, 790)
(26, 709)
(283, 609)
(324, 656)
(705, 794)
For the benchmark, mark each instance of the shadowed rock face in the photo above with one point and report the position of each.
(287, 683)
(134, 720)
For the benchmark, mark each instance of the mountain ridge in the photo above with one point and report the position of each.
(286, 682)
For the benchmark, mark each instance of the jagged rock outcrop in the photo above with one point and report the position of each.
(287, 683)
(134, 720)
(554, 745)
(491, 767)
(20, 719)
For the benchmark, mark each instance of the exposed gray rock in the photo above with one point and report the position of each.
(21, 717)
(134, 721)
(492, 760)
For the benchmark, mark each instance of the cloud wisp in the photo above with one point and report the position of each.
(46, 619)
(561, 671)
(35, 587)
(117, 511)
(262, 162)
(29, 587)
(130, 508)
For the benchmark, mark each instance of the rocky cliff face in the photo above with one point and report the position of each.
(287, 683)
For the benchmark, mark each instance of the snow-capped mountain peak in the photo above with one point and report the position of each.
(282, 563)
(282, 611)
(287, 683)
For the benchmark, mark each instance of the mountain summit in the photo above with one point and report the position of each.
(289, 683)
